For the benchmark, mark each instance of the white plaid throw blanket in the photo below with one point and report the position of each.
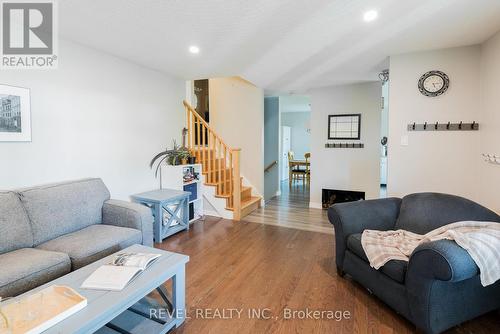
(480, 239)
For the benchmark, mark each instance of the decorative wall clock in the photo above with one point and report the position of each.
(433, 83)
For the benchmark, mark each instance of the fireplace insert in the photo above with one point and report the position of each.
(332, 196)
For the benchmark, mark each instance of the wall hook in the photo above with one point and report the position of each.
(472, 125)
(436, 125)
(460, 125)
(414, 125)
(425, 126)
(448, 126)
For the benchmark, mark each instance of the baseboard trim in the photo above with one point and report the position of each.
(315, 205)
(211, 213)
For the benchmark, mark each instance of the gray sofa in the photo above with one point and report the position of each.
(48, 231)
(439, 287)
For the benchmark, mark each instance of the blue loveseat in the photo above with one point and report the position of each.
(439, 287)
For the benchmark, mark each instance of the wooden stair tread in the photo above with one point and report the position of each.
(248, 202)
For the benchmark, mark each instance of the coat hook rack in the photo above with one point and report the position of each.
(491, 158)
(344, 145)
(474, 126)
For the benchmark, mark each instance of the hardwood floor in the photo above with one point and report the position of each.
(291, 209)
(244, 266)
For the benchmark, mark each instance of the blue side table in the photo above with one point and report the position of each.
(170, 210)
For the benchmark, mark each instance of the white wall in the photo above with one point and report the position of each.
(346, 169)
(237, 115)
(434, 161)
(490, 127)
(301, 139)
(271, 146)
(95, 116)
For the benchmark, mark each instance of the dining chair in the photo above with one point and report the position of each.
(295, 172)
(307, 156)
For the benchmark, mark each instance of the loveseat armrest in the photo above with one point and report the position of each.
(442, 260)
(132, 215)
(355, 217)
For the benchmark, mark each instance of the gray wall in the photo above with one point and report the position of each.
(271, 145)
(301, 139)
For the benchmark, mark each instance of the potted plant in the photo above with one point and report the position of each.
(175, 156)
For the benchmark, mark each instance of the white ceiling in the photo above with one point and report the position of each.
(295, 103)
(280, 45)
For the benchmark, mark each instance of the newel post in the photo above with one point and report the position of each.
(236, 184)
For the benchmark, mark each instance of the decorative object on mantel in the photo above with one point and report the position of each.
(443, 126)
(344, 126)
(344, 145)
(491, 158)
(15, 114)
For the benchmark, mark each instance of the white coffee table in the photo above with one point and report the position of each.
(127, 311)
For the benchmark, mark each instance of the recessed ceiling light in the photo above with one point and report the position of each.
(370, 15)
(194, 49)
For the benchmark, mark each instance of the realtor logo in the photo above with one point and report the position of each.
(28, 34)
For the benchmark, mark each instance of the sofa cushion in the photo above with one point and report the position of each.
(395, 269)
(15, 228)
(27, 268)
(93, 243)
(423, 212)
(58, 209)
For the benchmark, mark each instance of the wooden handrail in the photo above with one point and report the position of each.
(271, 165)
(220, 163)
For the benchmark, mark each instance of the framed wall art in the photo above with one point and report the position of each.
(344, 126)
(15, 114)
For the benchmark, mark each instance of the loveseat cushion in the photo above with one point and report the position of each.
(15, 228)
(395, 269)
(423, 212)
(27, 268)
(93, 243)
(62, 208)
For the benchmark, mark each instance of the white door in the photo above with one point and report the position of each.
(286, 140)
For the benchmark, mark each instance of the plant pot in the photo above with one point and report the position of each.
(191, 160)
(184, 161)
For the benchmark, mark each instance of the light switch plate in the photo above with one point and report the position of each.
(404, 140)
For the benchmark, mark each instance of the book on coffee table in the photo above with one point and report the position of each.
(36, 312)
(121, 271)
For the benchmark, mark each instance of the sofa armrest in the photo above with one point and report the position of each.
(132, 215)
(442, 260)
(355, 217)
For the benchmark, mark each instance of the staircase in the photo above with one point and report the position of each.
(221, 166)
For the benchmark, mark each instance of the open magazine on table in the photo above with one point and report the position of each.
(121, 271)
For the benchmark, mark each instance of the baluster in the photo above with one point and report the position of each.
(209, 158)
(203, 144)
(224, 187)
(237, 186)
(198, 138)
(231, 178)
(214, 156)
(219, 160)
(188, 122)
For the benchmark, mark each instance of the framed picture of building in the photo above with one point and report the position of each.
(15, 114)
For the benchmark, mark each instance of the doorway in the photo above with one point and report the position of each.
(286, 139)
(201, 105)
(384, 133)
